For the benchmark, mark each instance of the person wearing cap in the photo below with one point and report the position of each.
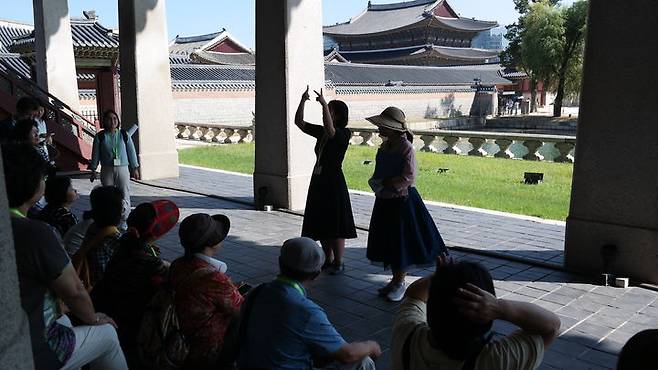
(135, 272)
(328, 213)
(206, 300)
(402, 232)
(282, 328)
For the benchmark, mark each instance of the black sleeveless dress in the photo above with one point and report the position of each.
(328, 213)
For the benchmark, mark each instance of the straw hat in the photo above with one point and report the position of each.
(391, 118)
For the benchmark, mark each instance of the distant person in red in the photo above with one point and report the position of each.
(328, 214)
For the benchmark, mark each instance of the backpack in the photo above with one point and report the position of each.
(160, 342)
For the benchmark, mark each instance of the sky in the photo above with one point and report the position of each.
(196, 17)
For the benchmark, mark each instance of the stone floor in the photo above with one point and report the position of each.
(596, 321)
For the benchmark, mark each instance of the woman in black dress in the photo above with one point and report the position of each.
(328, 215)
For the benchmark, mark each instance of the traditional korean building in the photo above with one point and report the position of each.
(421, 32)
(214, 48)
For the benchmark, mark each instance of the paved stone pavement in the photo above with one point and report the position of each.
(521, 237)
(596, 321)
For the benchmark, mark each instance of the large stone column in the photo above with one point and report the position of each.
(15, 348)
(55, 63)
(289, 56)
(614, 199)
(146, 96)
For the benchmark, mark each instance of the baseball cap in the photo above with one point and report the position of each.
(302, 254)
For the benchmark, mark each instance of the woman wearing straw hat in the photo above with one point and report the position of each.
(328, 215)
(402, 232)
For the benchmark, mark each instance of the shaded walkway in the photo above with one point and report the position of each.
(520, 237)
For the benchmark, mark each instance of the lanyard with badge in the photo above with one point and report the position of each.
(115, 148)
(292, 283)
(16, 212)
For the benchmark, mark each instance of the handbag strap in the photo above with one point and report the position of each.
(248, 305)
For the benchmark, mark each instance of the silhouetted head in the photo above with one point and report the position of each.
(339, 113)
(455, 334)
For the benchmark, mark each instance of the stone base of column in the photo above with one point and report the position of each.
(282, 191)
(637, 248)
(156, 166)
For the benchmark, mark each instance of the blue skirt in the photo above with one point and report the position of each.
(402, 233)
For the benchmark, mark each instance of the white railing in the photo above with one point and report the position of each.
(531, 147)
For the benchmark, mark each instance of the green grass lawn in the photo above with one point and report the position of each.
(489, 183)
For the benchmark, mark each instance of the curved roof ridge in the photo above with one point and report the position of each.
(402, 5)
(198, 38)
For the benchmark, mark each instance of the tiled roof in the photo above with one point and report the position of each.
(387, 17)
(15, 62)
(451, 53)
(349, 74)
(186, 45)
(213, 57)
(10, 30)
(380, 75)
(333, 54)
(89, 39)
(212, 73)
(179, 59)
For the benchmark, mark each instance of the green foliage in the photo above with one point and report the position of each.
(547, 42)
(488, 183)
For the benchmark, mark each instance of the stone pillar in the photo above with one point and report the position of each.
(146, 96)
(289, 44)
(614, 199)
(55, 63)
(15, 348)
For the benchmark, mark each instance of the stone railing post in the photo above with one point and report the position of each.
(221, 136)
(367, 138)
(477, 143)
(428, 140)
(229, 134)
(451, 141)
(533, 146)
(243, 133)
(565, 149)
(503, 145)
(199, 132)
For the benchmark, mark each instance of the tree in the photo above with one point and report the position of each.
(511, 57)
(547, 44)
(570, 67)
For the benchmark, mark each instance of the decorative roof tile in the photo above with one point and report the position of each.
(10, 30)
(387, 17)
(15, 62)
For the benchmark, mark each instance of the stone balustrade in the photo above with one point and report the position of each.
(214, 133)
(531, 147)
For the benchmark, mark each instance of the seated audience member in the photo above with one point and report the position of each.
(135, 272)
(282, 328)
(45, 276)
(60, 194)
(76, 235)
(445, 319)
(26, 108)
(98, 245)
(638, 352)
(206, 299)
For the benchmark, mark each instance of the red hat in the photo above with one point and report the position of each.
(166, 217)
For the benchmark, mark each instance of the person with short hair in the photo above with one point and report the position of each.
(60, 195)
(402, 232)
(114, 150)
(26, 108)
(282, 328)
(328, 213)
(638, 352)
(45, 275)
(135, 272)
(206, 299)
(446, 318)
(99, 242)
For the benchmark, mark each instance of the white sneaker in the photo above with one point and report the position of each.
(397, 292)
